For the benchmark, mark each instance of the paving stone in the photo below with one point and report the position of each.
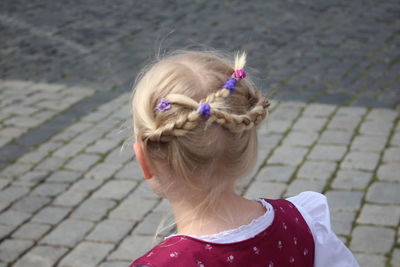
(344, 123)
(41, 256)
(50, 164)
(114, 190)
(284, 113)
(86, 185)
(389, 172)
(379, 215)
(49, 189)
(327, 152)
(288, 155)
(50, 146)
(103, 171)
(10, 249)
(3, 183)
(392, 154)
(93, 209)
(130, 171)
(318, 170)
(70, 198)
(298, 186)
(318, 110)
(370, 260)
(63, 176)
(13, 218)
(132, 247)
(102, 146)
(132, 208)
(30, 204)
(115, 263)
(16, 170)
(342, 222)
(380, 128)
(368, 143)
(380, 114)
(144, 191)
(33, 157)
(12, 193)
(82, 162)
(309, 124)
(395, 141)
(263, 189)
(69, 150)
(68, 233)
(110, 231)
(344, 200)
(120, 155)
(86, 254)
(351, 179)
(385, 193)
(149, 225)
(351, 111)
(276, 173)
(278, 126)
(31, 178)
(372, 239)
(395, 258)
(300, 138)
(335, 137)
(51, 215)
(360, 161)
(31, 231)
(5, 231)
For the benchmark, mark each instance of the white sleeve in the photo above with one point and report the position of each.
(329, 249)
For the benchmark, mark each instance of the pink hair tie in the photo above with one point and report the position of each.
(240, 74)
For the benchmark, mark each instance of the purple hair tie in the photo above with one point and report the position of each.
(163, 105)
(230, 84)
(205, 110)
(240, 74)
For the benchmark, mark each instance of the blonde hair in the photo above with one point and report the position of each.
(206, 153)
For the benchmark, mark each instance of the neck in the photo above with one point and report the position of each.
(230, 211)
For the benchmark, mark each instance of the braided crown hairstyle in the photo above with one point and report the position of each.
(195, 147)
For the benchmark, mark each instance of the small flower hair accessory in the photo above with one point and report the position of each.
(240, 74)
(205, 110)
(163, 105)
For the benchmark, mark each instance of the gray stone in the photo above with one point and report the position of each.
(389, 172)
(70, 198)
(263, 189)
(86, 254)
(351, 111)
(110, 231)
(395, 141)
(102, 146)
(144, 191)
(392, 154)
(69, 150)
(49, 189)
(370, 260)
(5, 231)
(93, 209)
(364, 235)
(115, 263)
(132, 247)
(31, 231)
(309, 124)
(385, 193)
(395, 258)
(360, 161)
(288, 155)
(64, 176)
(31, 178)
(133, 208)
(317, 170)
(41, 256)
(276, 173)
(335, 137)
(342, 222)
(68, 233)
(150, 224)
(130, 171)
(50, 164)
(51, 215)
(381, 114)
(86, 185)
(298, 186)
(11, 249)
(380, 128)
(344, 123)
(33, 157)
(318, 110)
(30, 204)
(300, 138)
(13, 218)
(379, 215)
(82, 162)
(344, 200)
(50, 146)
(114, 190)
(351, 179)
(368, 143)
(16, 170)
(284, 113)
(327, 152)
(12, 193)
(103, 171)
(120, 155)
(278, 126)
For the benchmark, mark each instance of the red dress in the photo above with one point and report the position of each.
(286, 242)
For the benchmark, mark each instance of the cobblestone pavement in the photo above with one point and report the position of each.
(338, 52)
(78, 198)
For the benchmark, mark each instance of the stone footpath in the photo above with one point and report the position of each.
(78, 198)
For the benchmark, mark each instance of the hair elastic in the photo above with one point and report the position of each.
(163, 105)
(205, 110)
(230, 84)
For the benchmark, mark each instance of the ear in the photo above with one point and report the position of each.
(142, 161)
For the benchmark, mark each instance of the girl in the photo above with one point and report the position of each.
(195, 117)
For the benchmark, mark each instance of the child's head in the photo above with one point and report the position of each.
(183, 145)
